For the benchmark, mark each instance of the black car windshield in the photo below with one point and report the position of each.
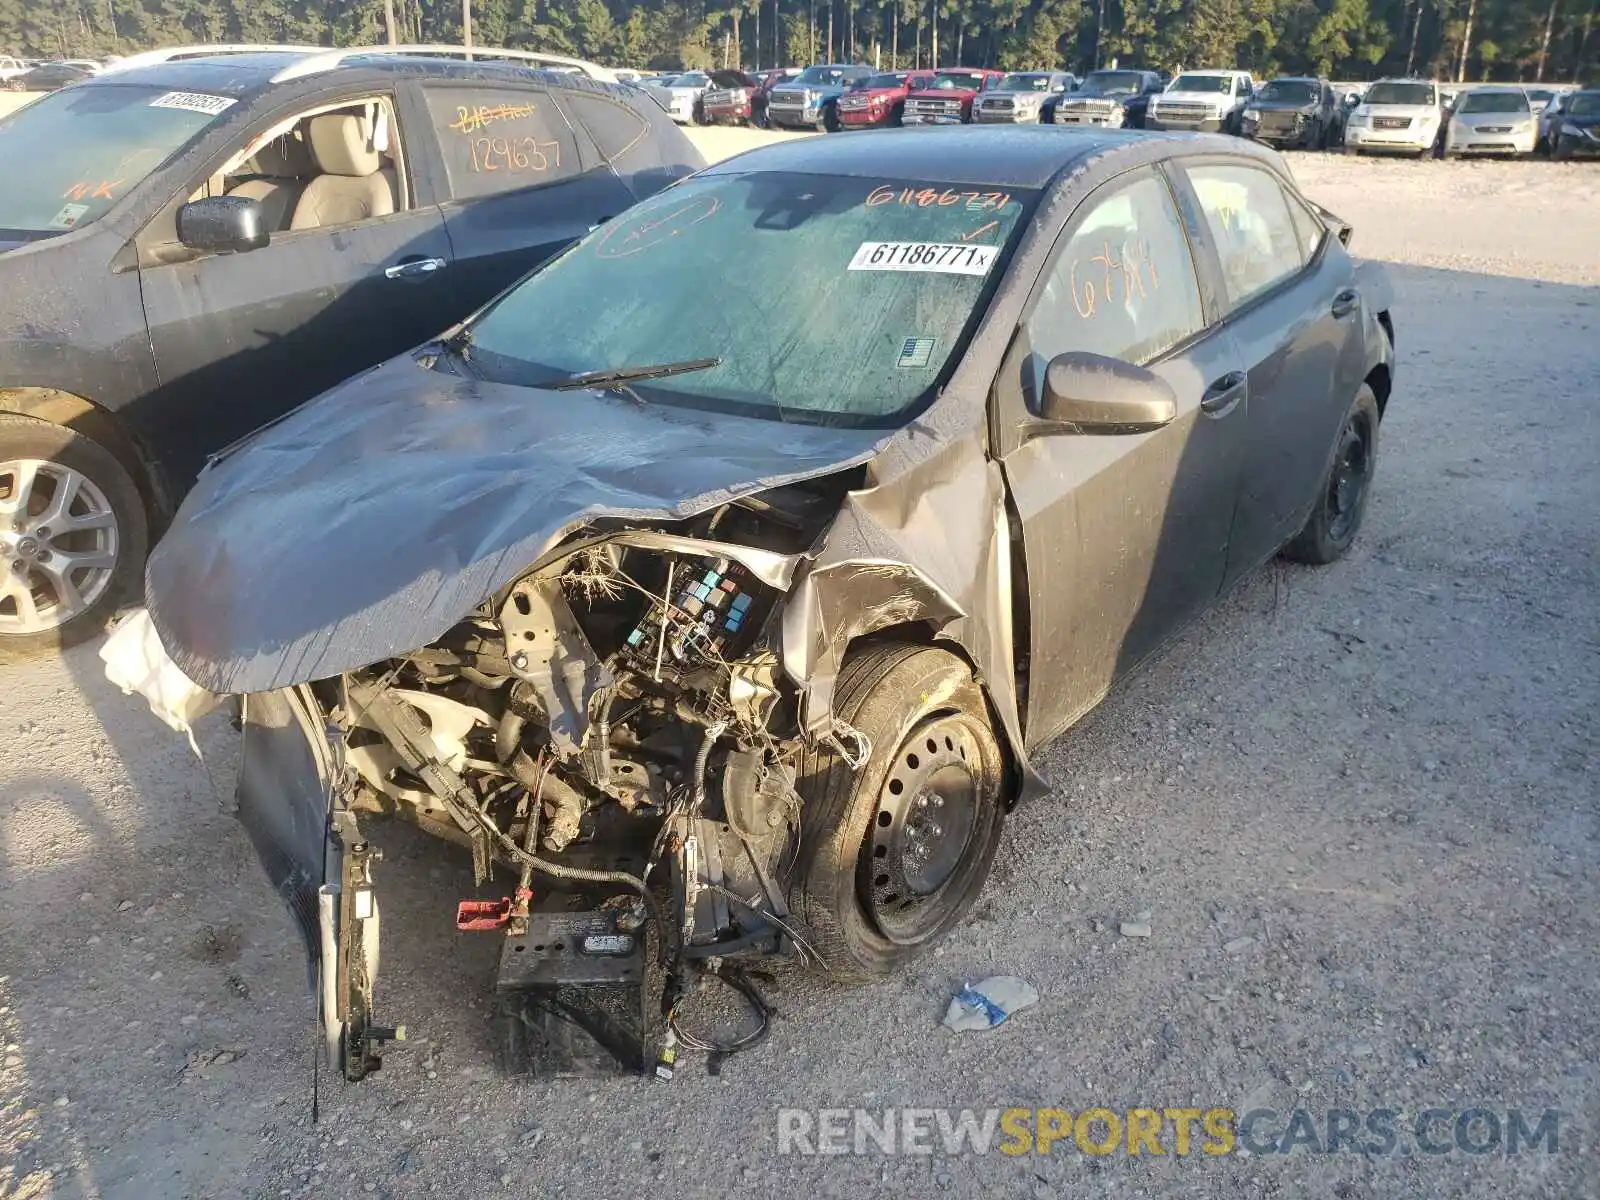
(1104, 83)
(845, 301)
(1584, 104)
(1493, 102)
(692, 79)
(1401, 93)
(1202, 83)
(72, 154)
(1025, 83)
(829, 75)
(886, 81)
(1290, 91)
(947, 80)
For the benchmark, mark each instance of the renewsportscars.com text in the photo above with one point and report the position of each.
(1214, 1132)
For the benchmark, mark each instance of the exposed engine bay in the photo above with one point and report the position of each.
(614, 732)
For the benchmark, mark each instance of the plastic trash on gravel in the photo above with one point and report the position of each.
(988, 1003)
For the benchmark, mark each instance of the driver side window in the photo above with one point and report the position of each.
(1123, 282)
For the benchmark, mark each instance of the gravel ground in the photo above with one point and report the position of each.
(1381, 774)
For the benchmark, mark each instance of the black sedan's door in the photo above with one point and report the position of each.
(1296, 320)
(520, 181)
(1125, 535)
(240, 339)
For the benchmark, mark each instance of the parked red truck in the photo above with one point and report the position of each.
(881, 100)
(731, 98)
(949, 96)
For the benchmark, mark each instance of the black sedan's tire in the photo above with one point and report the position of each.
(1342, 500)
(894, 854)
(73, 535)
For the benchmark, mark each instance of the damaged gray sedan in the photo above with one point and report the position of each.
(714, 587)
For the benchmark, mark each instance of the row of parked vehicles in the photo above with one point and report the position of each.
(1420, 117)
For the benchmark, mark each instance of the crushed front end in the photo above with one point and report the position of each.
(612, 736)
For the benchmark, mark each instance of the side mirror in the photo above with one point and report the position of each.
(1090, 393)
(223, 225)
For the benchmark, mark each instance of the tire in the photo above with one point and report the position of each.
(1342, 498)
(869, 886)
(113, 547)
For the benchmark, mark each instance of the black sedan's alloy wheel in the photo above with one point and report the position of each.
(894, 854)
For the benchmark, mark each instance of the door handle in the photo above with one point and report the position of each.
(1218, 399)
(1345, 302)
(415, 268)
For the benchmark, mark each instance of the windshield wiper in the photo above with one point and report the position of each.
(611, 376)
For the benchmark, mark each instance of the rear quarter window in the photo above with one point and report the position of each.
(497, 140)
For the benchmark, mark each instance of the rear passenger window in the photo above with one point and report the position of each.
(1256, 235)
(615, 128)
(498, 140)
(1124, 284)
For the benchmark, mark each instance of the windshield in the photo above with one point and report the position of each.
(692, 79)
(1493, 102)
(948, 80)
(886, 81)
(830, 75)
(1290, 91)
(1402, 93)
(1584, 104)
(1025, 83)
(1541, 96)
(1202, 83)
(888, 278)
(88, 147)
(1103, 83)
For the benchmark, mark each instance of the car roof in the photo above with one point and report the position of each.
(243, 75)
(1003, 156)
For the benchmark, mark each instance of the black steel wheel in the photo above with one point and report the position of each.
(1342, 501)
(893, 855)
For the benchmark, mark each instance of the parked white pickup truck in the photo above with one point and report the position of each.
(1205, 101)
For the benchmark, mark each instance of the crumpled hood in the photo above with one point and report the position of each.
(368, 522)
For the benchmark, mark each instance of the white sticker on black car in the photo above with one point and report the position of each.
(194, 102)
(946, 258)
(69, 216)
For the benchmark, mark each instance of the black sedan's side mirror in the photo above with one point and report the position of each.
(223, 225)
(1090, 393)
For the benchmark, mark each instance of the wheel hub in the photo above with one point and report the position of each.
(927, 815)
(62, 545)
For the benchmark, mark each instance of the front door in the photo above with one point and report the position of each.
(240, 339)
(1125, 536)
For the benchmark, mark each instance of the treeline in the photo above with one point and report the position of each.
(1346, 39)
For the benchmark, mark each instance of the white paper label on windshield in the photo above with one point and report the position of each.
(194, 102)
(945, 258)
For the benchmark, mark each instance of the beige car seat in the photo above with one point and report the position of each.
(354, 184)
(278, 170)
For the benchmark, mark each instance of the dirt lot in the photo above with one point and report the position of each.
(1382, 773)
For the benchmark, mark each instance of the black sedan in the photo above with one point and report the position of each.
(51, 76)
(1577, 129)
(768, 607)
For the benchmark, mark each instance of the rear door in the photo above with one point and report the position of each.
(1125, 536)
(1294, 313)
(240, 339)
(521, 180)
